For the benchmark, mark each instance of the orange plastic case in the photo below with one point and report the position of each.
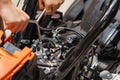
(10, 64)
(1, 35)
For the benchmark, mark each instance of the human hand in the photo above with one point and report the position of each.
(50, 5)
(15, 19)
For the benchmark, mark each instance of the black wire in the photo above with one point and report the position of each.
(79, 34)
(18, 2)
(92, 57)
(49, 39)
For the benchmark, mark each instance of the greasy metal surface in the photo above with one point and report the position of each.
(92, 14)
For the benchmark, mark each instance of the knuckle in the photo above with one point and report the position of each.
(28, 18)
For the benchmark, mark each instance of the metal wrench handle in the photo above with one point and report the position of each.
(41, 15)
(38, 27)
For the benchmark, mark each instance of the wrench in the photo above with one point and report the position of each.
(38, 27)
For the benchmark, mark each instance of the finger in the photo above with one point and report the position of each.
(55, 7)
(48, 6)
(41, 4)
(13, 29)
(19, 27)
(23, 26)
(9, 26)
(16, 28)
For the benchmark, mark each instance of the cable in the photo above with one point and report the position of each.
(49, 39)
(58, 30)
(18, 3)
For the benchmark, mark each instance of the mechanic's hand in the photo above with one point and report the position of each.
(15, 19)
(50, 5)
